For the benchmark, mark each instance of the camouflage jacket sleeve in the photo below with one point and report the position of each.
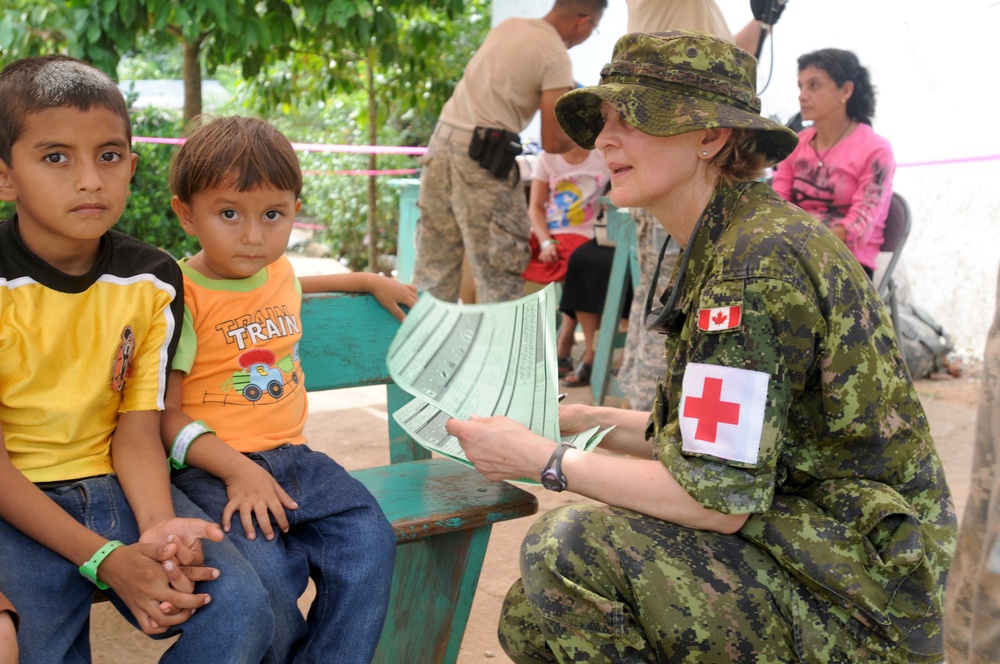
(776, 338)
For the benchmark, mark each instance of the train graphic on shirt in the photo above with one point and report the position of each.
(262, 375)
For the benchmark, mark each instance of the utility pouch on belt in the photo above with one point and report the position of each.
(477, 148)
(495, 150)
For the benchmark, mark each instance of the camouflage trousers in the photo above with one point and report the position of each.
(466, 211)
(643, 364)
(972, 601)
(605, 584)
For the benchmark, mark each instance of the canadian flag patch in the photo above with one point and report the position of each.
(722, 411)
(721, 318)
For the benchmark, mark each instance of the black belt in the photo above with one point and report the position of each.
(58, 484)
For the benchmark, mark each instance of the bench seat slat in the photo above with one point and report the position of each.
(435, 496)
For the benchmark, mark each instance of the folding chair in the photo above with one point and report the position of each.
(897, 229)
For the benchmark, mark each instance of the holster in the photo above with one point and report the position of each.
(495, 150)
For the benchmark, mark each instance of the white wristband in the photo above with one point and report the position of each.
(547, 243)
(183, 440)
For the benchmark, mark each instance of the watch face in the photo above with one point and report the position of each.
(551, 480)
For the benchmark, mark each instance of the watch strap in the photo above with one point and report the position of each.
(552, 476)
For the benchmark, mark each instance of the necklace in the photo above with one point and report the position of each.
(821, 157)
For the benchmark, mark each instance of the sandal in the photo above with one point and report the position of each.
(565, 366)
(580, 377)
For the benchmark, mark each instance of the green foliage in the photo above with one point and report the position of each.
(39, 27)
(145, 60)
(208, 34)
(339, 202)
(328, 71)
(148, 215)
(414, 50)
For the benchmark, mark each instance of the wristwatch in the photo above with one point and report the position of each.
(552, 477)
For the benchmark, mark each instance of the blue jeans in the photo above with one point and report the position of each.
(338, 536)
(54, 599)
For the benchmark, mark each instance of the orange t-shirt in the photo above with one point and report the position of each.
(239, 349)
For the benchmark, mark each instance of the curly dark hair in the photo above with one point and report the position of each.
(843, 66)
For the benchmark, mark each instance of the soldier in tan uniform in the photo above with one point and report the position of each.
(522, 67)
(784, 502)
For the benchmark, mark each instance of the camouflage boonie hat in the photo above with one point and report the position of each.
(669, 83)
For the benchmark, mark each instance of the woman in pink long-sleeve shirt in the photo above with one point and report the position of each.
(841, 172)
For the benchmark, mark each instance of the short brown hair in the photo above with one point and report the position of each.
(585, 6)
(236, 151)
(33, 85)
(741, 158)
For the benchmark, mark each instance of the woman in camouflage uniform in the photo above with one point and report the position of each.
(784, 501)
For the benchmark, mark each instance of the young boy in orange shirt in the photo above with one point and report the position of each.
(237, 403)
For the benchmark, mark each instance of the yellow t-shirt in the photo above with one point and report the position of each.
(79, 350)
(239, 349)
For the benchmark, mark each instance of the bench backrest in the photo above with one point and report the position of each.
(345, 339)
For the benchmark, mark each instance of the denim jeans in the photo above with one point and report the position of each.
(338, 536)
(54, 599)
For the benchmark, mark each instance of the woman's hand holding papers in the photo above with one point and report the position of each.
(500, 448)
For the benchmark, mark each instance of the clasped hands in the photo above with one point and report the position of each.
(155, 577)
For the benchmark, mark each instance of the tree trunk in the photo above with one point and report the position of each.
(192, 81)
(373, 235)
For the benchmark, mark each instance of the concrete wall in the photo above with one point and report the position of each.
(935, 73)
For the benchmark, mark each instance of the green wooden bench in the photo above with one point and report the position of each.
(442, 511)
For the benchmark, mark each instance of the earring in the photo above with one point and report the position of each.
(704, 153)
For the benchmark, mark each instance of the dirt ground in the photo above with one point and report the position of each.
(350, 426)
